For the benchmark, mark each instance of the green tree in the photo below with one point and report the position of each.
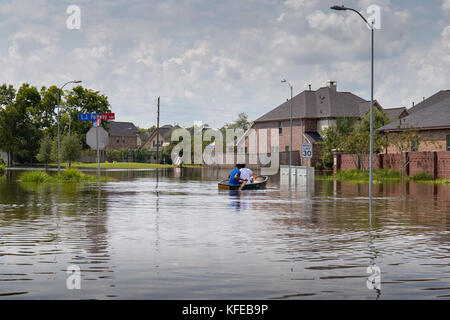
(70, 149)
(45, 151)
(7, 95)
(334, 138)
(240, 123)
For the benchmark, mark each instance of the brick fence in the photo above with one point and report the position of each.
(436, 164)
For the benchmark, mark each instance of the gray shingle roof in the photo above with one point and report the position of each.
(125, 129)
(432, 116)
(323, 103)
(436, 98)
(395, 113)
(313, 137)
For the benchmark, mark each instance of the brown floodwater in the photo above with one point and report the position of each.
(173, 235)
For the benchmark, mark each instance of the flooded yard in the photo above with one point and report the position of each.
(173, 235)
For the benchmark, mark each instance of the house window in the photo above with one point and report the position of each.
(448, 143)
(286, 149)
(274, 149)
(246, 150)
(280, 127)
(415, 146)
(118, 140)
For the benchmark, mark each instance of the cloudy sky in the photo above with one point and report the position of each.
(210, 60)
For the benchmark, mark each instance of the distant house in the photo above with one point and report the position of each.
(396, 113)
(430, 119)
(142, 139)
(164, 139)
(123, 135)
(313, 111)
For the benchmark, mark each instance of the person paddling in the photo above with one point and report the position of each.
(235, 176)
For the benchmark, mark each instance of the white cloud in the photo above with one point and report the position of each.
(446, 5)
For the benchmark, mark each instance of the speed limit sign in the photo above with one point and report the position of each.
(307, 150)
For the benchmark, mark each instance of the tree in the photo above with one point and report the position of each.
(70, 148)
(7, 95)
(82, 100)
(45, 151)
(240, 123)
(334, 138)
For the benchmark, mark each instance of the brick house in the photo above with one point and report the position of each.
(164, 139)
(313, 111)
(123, 135)
(430, 119)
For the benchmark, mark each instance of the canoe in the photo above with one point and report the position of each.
(260, 183)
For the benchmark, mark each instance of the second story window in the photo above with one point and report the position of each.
(448, 143)
(280, 127)
(415, 146)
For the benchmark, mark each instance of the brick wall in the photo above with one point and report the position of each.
(119, 142)
(436, 164)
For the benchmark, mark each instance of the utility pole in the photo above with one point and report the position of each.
(157, 135)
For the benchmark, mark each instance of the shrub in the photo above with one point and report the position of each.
(2, 162)
(423, 176)
(70, 175)
(2, 169)
(35, 177)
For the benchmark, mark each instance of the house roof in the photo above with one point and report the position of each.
(433, 116)
(436, 98)
(395, 113)
(313, 137)
(323, 103)
(163, 131)
(144, 137)
(125, 129)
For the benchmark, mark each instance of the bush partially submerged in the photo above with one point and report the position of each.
(2, 169)
(67, 176)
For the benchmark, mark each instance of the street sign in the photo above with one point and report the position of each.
(107, 116)
(103, 138)
(87, 116)
(307, 150)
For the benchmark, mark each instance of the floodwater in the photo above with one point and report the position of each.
(173, 235)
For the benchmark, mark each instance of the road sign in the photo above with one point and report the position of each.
(307, 150)
(103, 138)
(107, 116)
(88, 116)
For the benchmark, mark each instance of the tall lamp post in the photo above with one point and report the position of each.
(59, 136)
(343, 8)
(290, 147)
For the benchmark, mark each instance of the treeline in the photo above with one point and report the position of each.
(352, 136)
(29, 116)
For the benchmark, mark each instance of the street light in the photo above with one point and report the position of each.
(290, 148)
(343, 8)
(59, 137)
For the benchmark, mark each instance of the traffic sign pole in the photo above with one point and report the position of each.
(98, 151)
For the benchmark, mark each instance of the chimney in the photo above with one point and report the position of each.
(332, 84)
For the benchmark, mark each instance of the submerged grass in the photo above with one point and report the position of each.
(125, 165)
(67, 176)
(380, 176)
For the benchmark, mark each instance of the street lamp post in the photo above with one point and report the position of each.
(343, 8)
(290, 147)
(58, 116)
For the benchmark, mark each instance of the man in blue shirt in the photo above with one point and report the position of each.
(235, 176)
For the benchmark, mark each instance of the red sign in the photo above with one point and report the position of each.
(107, 116)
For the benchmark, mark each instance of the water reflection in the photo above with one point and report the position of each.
(169, 234)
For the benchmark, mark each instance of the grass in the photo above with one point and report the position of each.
(379, 176)
(67, 176)
(125, 165)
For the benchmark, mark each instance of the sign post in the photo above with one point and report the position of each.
(97, 137)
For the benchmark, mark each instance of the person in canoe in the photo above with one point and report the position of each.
(247, 174)
(235, 176)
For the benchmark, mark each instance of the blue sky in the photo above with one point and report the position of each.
(210, 60)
